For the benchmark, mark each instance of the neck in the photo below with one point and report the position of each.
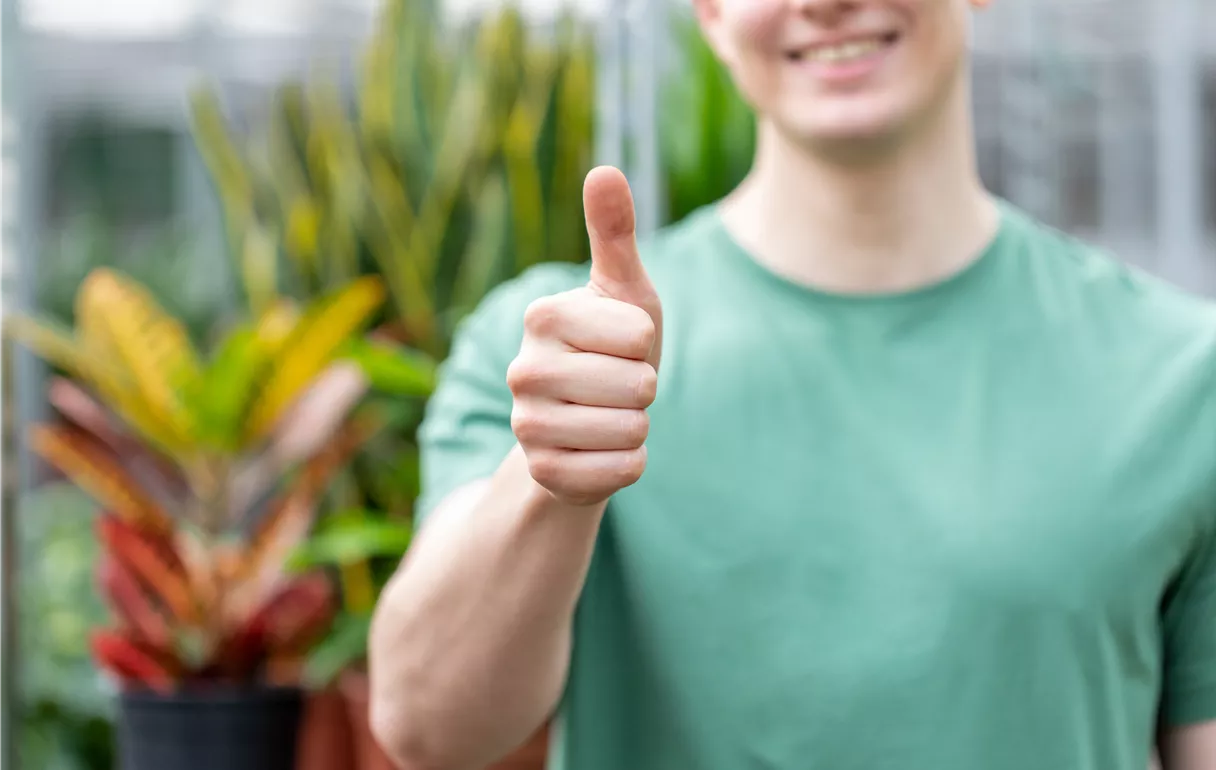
(912, 215)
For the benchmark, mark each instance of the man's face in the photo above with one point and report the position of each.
(832, 71)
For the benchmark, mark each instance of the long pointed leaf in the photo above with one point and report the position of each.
(165, 582)
(160, 479)
(327, 325)
(99, 473)
(154, 346)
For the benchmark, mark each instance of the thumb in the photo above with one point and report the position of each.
(611, 224)
(616, 267)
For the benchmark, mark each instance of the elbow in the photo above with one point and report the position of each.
(399, 736)
(396, 726)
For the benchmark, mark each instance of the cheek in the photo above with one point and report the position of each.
(754, 26)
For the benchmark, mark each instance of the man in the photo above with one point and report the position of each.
(894, 478)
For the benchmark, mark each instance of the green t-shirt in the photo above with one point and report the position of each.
(967, 526)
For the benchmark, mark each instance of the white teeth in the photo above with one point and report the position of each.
(844, 52)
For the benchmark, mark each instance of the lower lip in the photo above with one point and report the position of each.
(848, 70)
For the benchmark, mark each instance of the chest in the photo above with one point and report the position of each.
(874, 479)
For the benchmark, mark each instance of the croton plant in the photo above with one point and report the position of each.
(208, 472)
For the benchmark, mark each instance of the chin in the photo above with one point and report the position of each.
(842, 129)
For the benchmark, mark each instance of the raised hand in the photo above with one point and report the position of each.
(588, 366)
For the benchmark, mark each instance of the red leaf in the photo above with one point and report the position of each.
(148, 560)
(300, 614)
(130, 661)
(129, 601)
(295, 617)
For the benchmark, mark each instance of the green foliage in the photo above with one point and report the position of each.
(456, 164)
(345, 646)
(365, 547)
(209, 470)
(706, 129)
(168, 262)
(65, 711)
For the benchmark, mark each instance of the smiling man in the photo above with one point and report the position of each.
(859, 468)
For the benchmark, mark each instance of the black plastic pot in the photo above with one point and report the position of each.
(253, 729)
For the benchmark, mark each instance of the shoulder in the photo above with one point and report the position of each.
(1087, 289)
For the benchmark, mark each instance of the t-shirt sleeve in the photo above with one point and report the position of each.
(466, 430)
(1189, 687)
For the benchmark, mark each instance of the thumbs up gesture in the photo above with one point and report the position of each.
(588, 366)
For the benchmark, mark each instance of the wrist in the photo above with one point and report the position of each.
(534, 501)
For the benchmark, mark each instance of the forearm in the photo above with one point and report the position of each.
(470, 644)
(1188, 748)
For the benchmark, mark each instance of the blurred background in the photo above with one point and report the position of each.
(228, 156)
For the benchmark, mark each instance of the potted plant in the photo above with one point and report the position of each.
(460, 166)
(209, 472)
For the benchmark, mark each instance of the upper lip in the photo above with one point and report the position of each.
(835, 40)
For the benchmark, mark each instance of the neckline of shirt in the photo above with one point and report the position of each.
(973, 272)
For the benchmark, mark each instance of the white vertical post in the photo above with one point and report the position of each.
(646, 17)
(628, 77)
(1178, 92)
(611, 107)
(12, 270)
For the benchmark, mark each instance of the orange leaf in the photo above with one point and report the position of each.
(99, 472)
(164, 579)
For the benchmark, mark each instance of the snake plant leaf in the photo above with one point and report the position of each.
(100, 473)
(328, 323)
(519, 147)
(478, 269)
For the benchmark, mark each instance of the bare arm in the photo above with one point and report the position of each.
(1189, 748)
(471, 641)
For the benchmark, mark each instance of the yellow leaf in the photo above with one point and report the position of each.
(96, 365)
(54, 345)
(230, 379)
(152, 344)
(327, 324)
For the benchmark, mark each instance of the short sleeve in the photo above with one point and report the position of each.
(1189, 694)
(466, 429)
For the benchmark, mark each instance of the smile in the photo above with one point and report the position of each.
(845, 51)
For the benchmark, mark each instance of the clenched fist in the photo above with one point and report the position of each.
(588, 366)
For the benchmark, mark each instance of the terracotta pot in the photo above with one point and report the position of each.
(530, 756)
(326, 742)
(368, 754)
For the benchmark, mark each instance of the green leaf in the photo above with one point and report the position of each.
(344, 647)
(226, 386)
(392, 368)
(352, 539)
